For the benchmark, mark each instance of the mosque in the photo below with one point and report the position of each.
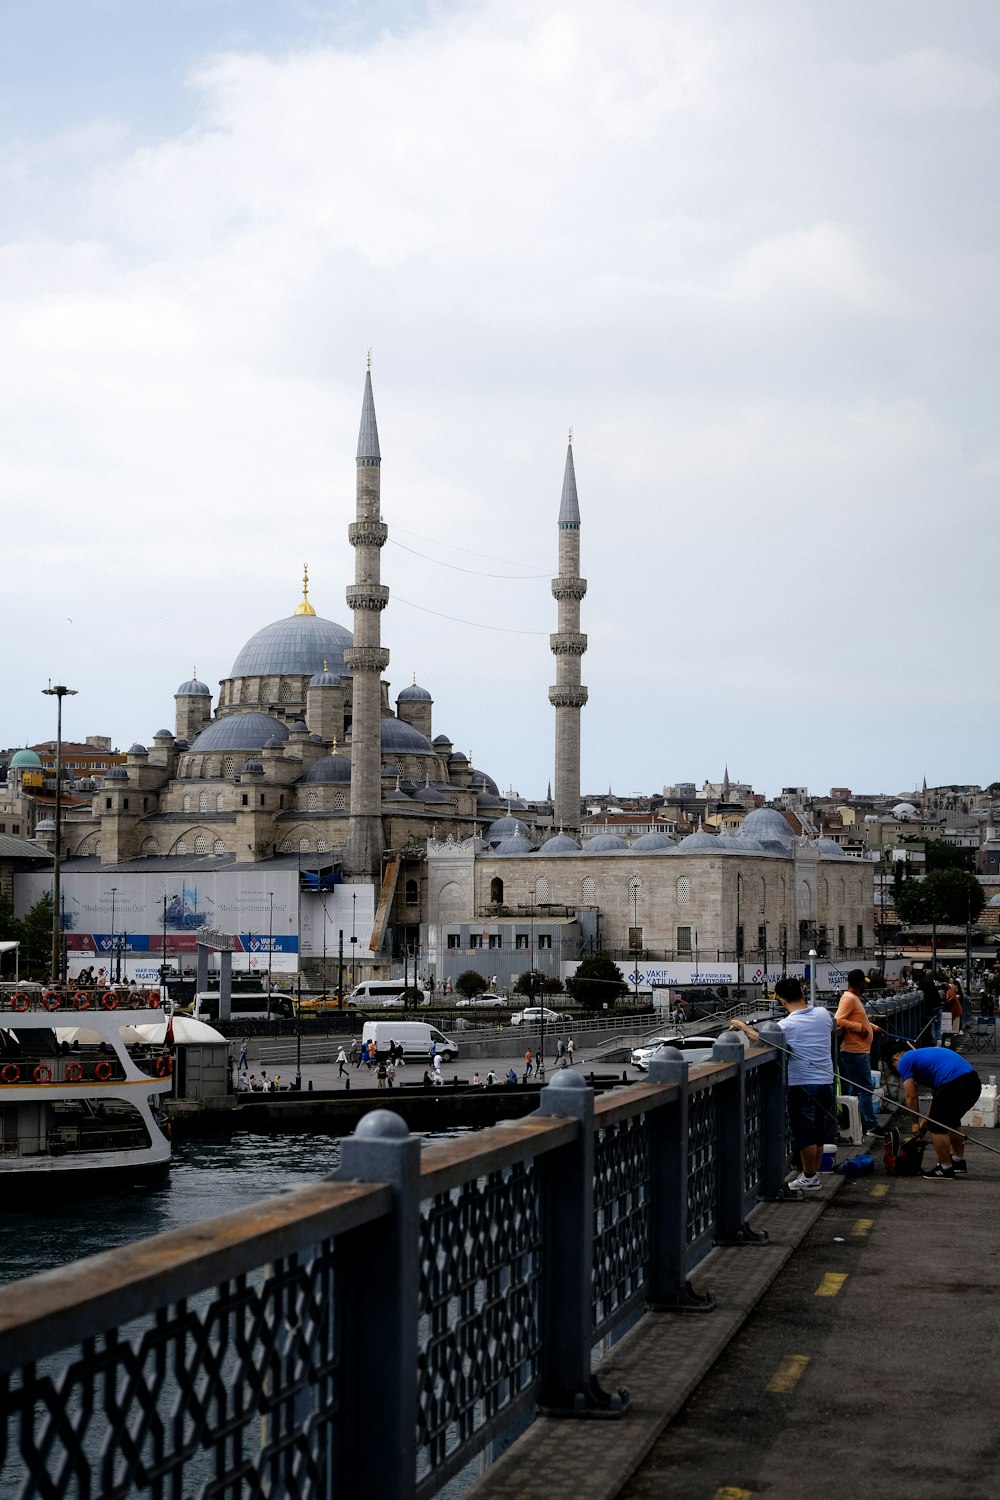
(305, 759)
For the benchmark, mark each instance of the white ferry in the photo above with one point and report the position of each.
(79, 1087)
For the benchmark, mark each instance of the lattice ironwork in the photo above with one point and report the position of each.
(479, 1333)
(230, 1394)
(621, 1218)
(703, 1135)
(753, 1131)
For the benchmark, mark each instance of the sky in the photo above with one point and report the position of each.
(748, 254)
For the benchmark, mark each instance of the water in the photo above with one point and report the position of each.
(207, 1178)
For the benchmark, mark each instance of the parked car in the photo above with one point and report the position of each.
(534, 1014)
(641, 1055)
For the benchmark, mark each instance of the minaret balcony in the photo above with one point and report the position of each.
(367, 596)
(366, 658)
(568, 643)
(367, 533)
(565, 697)
(569, 588)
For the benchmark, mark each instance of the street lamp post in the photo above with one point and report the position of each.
(59, 693)
(111, 961)
(270, 941)
(739, 935)
(354, 938)
(635, 943)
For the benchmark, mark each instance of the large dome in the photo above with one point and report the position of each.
(301, 646)
(767, 826)
(249, 731)
(399, 736)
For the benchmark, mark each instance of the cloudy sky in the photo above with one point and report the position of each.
(749, 253)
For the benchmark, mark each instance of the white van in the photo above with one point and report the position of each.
(259, 1007)
(414, 1037)
(371, 993)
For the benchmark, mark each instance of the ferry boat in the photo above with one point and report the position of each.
(79, 1088)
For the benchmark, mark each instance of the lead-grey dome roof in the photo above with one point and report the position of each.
(519, 843)
(480, 779)
(414, 694)
(325, 678)
(116, 773)
(651, 841)
(299, 646)
(604, 843)
(830, 849)
(560, 843)
(249, 731)
(137, 749)
(332, 768)
(193, 689)
(397, 735)
(163, 734)
(505, 828)
(700, 842)
(767, 826)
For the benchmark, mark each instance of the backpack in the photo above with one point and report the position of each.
(858, 1166)
(903, 1158)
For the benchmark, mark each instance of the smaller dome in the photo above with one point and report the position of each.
(505, 828)
(398, 736)
(395, 794)
(116, 773)
(905, 812)
(830, 849)
(768, 827)
(332, 768)
(137, 749)
(252, 768)
(180, 744)
(317, 739)
(648, 843)
(163, 734)
(324, 679)
(604, 843)
(274, 743)
(480, 780)
(519, 843)
(47, 825)
(560, 843)
(193, 689)
(414, 694)
(458, 759)
(25, 758)
(428, 794)
(701, 842)
(299, 726)
(486, 802)
(242, 731)
(441, 740)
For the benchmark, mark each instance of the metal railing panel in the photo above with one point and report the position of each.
(703, 1135)
(622, 1207)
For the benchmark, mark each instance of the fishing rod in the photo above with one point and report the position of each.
(941, 1129)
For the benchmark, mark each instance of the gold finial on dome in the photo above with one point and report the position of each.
(334, 750)
(305, 608)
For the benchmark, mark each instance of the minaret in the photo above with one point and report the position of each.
(568, 645)
(367, 659)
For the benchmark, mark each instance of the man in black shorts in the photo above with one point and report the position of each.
(956, 1087)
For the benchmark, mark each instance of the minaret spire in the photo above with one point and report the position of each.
(367, 659)
(568, 645)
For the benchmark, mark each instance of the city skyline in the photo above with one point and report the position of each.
(752, 264)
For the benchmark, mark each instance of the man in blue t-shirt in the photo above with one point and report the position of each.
(956, 1087)
(811, 1101)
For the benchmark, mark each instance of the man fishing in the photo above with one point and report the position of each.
(956, 1087)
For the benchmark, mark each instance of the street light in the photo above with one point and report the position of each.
(270, 940)
(111, 961)
(739, 935)
(59, 693)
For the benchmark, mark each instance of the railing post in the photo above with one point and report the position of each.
(379, 1316)
(774, 1159)
(566, 1386)
(730, 1226)
(668, 1128)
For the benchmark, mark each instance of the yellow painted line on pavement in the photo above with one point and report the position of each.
(880, 1189)
(786, 1377)
(831, 1284)
(860, 1227)
(731, 1492)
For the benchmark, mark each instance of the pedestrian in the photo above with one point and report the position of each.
(265, 1082)
(539, 1064)
(956, 1087)
(363, 1060)
(491, 1079)
(930, 1016)
(954, 1011)
(438, 1080)
(569, 1051)
(528, 1060)
(511, 1075)
(241, 1066)
(432, 1051)
(856, 1032)
(381, 1073)
(341, 1063)
(475, 1079)
(810, 1099)
(426, 1080)
(254, 1085)
(354, 1052)
(277, 1085)
(560, 1048)
(390, 1073)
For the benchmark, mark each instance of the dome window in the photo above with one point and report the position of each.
(201, 845)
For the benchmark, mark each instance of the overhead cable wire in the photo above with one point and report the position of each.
(476, 572)
(453, 548)
(476, 624)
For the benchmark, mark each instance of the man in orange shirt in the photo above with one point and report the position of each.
(855, 1032)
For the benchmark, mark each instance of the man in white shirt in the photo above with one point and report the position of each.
(812, 1104)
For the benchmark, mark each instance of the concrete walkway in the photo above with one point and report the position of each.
(854, 1355)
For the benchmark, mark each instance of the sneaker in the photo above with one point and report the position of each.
(876, 1132)
(804, 1183)
(940, 1171)
(959, 1165)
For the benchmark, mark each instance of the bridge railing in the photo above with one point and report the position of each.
(374, 1335)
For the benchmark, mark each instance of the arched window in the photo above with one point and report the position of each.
(229, 766)
(303, 846)
(97, 847)
(496, 890)
(412, 893)
(182, 847)
(187, 804)
(589, 891)
(218, 847)
(201, 844)
(220, 802)
(683, 890)
(311, 803)
(824, 890)
(321, 846)
(285, 690)
(286, 846)
(542, 891)
(339, 802)
(634, 888)
(203, 802)
(400, 768)
(150, 846)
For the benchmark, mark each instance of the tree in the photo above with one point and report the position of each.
(36, 937)
(941, 856)
(951, 896)
(552, 986)
(597, 982)
(529, 984)
(469, 984)
(10, 928)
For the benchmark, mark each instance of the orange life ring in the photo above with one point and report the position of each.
(42, 1074)
(74, 1072)
(10, 1073)
(51, 1000)
(103, 1071)
(163, 1067)
(82, 1000)
(20, 1001)
(153, 999)
(109, 1001)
